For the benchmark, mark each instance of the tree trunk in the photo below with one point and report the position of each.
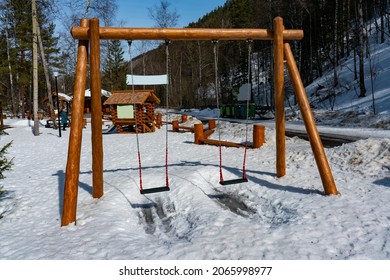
(47, 76)
(335, 42)
(181, 80)
(11, 80)
(35, 68)
(21, 83)
(199, 86)
(311, 49)
(354, 63)
(382, 10)
(361, 49)
(347, 26)
(143, 59)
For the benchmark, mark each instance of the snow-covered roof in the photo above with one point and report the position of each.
(65, 96)
(105, 93)
(130, 97)
(62, 97)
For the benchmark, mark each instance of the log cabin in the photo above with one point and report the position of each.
(130, 119)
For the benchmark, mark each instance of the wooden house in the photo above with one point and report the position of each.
(140, 119)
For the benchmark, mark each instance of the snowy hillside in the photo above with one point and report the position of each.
(344, 107)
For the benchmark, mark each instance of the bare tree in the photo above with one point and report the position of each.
(105, 10)
(373, 64)
(335, 42)
(13, 99)
(87, 6)
(47, 76)
(162, 16)
(35, 67)
(360, 25)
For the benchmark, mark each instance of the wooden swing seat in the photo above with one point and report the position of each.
(154, 190)
(234, 181)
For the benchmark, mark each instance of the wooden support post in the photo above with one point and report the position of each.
(212, 124)
(75, 135)
(207, 133)
(314, 137)
(159, 120)
(279, 98)
(184, 118)
(258, 135)
(198, 133)
(96, 111)
(175, 126)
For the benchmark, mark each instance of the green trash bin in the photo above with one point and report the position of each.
(237, 111)
(229, 111)
(222, 111)
(252, 111)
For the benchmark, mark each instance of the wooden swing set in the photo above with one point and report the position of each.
(89, 34)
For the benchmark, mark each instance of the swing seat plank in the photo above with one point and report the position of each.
(154, 190)
(234, 181)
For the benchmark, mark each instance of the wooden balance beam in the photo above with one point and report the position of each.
(176, 127)
(201, 137)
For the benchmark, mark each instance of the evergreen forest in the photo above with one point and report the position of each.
(333, 30)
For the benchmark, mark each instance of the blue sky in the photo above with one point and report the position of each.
(134, 13)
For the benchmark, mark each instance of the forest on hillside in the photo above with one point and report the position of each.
(333, 30)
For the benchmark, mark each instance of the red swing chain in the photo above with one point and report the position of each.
(244, 175)
(250, 42)
(135, 114)
(215, 42)
(167, 113)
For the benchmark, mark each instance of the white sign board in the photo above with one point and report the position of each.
(244, 93)
(125, 111)
(146, 80)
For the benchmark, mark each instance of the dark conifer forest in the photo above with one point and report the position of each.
(333, 30)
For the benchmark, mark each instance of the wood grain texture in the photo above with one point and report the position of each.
(75, 135)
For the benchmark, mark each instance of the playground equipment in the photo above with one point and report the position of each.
(177, 127)
(89, 35)
(131, 107)
(201, 136)
(139, 111)
(244, 95)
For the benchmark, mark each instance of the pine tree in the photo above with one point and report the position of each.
(5, 163)
(16, 24)
(114, 74)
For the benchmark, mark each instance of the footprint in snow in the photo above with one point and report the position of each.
(233, 203)
(157, 214)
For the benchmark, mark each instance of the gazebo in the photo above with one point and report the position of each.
(87, 100)
(140, 119)
(64, 100)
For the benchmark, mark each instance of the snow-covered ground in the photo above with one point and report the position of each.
(266, 218)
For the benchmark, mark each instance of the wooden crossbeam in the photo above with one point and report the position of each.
(123, 33)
